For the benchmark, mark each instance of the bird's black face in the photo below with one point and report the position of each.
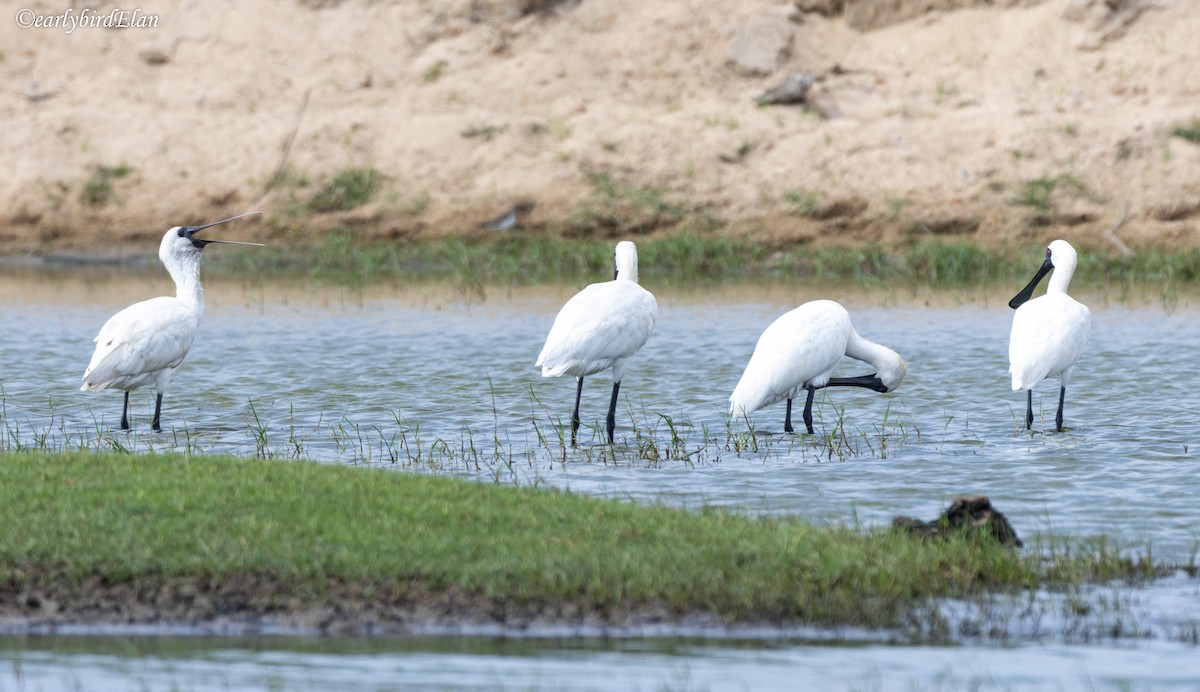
(189, 232)
(1027, 292)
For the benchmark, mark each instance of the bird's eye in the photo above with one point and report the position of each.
(1047, 253)
(182, 233)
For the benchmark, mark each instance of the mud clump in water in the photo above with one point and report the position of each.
(969, 516)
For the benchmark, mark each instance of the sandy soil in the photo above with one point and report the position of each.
(468, 106)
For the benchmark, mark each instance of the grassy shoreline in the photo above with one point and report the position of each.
(688, 258)
(116, 538)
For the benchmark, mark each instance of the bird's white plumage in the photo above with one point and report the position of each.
(1049, 332)
(800, 349)
(142, 343)
(602, 326)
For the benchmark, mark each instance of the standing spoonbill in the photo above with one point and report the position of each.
(800, 350)
(601, 327)
(1048, 332)
(146, 341)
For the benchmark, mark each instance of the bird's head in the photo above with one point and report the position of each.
(1026, 293)
(182, 240)
(626, 263)
(1059, 255)
(891, 373)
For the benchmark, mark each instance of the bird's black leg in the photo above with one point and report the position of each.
(808, 410)
(1062, 394)
(1029, 410)
(157, 411)
(787, 419)
(575, 416)
(125, 413)
(612, 412)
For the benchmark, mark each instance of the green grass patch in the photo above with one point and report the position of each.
(618, 205)
(686, 258)
(434, 72)
(350, 188)
(345, 256)
(806, 202)
(98, 190)
(1189, 132)
(1038, 194)
(300, 527)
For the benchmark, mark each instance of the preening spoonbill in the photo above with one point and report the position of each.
(799, 351)
(601, 327)
(1048, 332)
(146, 341)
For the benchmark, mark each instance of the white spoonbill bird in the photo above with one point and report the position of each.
(601, 327)
(146, 341)
(799, 351)
(1048, 332)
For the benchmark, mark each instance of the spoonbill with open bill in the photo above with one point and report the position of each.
(1048, 332)
(146, 341)
(800, 350)
(601, 327)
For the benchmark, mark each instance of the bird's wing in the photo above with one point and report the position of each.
(143, 338)
(801, 347)
(602, 323)
(1047, 337)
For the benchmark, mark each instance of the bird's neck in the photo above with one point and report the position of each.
(1060, 280)
(883, 358)
(186, 273)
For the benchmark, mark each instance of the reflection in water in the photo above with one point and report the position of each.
(576, 663)
(436, 380)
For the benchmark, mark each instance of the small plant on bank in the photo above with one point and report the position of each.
(806, 202)
(98, 190)
(1189, 132)
(1038, 195)
(621, 206)
(434, 72)
(351, 188)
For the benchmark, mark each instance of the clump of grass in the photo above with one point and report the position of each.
(618, 205)
(294, 531)
(1189, 132)
(867, 263)
(98, 189)
(806, 202)
(434, 72)
(1038, 195)
(954, 263)
(350, 188)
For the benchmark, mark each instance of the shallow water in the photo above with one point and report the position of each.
(420, 377)
(575, 663)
